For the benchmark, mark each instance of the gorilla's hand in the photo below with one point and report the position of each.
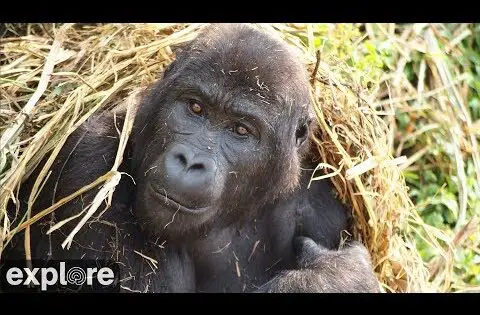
(323, 270)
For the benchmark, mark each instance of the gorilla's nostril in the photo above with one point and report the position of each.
(182, 159)
(197, 166)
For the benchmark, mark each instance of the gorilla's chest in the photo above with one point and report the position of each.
(239, 259)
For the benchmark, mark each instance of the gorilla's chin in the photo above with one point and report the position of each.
(171, 220)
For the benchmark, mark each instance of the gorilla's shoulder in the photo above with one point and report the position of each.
(105, 124)
(88, 153)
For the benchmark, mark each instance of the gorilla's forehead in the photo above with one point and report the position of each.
(239, 60)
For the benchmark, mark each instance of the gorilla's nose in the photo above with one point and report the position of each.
(190, 175)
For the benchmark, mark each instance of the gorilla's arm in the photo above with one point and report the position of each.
(322, 270)
(320, 265)
(88, 153)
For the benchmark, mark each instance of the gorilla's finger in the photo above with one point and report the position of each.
(307, 250)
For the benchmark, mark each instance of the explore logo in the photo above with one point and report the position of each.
(59, 276)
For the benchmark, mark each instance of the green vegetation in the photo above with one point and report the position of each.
(432, 73)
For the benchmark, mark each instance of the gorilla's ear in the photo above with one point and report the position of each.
(301, 133)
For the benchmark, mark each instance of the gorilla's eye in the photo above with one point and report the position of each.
(241, 130)
(196, 108)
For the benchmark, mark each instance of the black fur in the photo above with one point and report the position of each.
(252, 188)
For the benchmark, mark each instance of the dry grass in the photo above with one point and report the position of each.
(49, 86)
(439, 100)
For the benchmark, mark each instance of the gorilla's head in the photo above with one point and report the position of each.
(221, 134)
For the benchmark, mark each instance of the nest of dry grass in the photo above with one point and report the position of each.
(52, 81)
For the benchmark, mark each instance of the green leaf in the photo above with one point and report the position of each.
(434, 219)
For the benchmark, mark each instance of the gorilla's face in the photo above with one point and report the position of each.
(219, 136)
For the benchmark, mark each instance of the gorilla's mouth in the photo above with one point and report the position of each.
(163, 196)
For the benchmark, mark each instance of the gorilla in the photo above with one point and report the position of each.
(221, 160)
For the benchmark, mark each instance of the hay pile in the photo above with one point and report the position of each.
(55, 78)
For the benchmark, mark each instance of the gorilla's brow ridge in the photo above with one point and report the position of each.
(245, 107)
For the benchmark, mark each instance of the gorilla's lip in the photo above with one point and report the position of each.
(175, 205)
